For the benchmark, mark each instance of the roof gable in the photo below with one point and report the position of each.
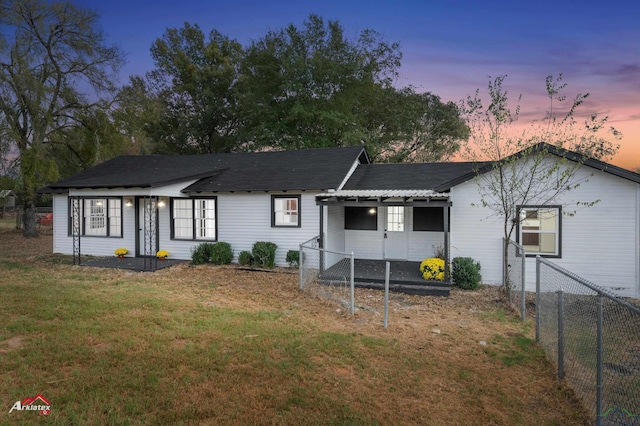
(543, 147)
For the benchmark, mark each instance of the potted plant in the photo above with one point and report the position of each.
(161, 254)
(432, 269)
(120, 252)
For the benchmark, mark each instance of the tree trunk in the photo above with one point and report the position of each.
(29, 228)
(505, 266)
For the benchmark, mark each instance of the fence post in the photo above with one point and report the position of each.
(538, 262)
(300, 265)
(599, 359)
(386, 294)
(560, 334)
(524, 280)
(353, 286)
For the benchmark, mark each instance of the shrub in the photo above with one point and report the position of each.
(293, 258)
(466, 273)
(264, 254)
(201, 253)
(432, 269)
(245, 258)
(221, 253)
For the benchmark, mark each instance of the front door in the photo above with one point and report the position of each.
(147, 244)
(395, 235)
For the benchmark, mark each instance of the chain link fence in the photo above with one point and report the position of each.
(327, 274)
(514, 276)
(594, 338)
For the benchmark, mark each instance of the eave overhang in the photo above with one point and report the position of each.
(384, 197)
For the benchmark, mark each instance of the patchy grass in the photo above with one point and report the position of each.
(7, 224)
(215, 345)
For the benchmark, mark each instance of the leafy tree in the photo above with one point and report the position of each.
(137, 115)
(312, 87)
(522, 171)
(195, 80)
(294, 88)
(47, 52)
(93, 140)
(430, 130)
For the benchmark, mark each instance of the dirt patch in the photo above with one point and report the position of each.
(11, 344)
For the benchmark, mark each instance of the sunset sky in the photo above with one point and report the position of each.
(449, 47)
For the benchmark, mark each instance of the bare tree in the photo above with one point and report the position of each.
(49, 52)
(536, 165)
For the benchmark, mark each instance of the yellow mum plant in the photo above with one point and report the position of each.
(432, 269)
(162, 253)
(121, 251)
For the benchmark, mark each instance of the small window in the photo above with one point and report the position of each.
(539, 230)
(395, 218)
(98, 217)
(285, 211)
(361, 218)
(193, 219)
(428, 219)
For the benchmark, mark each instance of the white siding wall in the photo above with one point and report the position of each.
(599, 243)
(242, 219)
(334, 230)
(365, 244)
(334, 234)
(96, 246)
(370, 244)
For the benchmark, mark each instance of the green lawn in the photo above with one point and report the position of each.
(217, 346)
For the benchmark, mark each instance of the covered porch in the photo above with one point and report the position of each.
(404, 277)
(378, 225)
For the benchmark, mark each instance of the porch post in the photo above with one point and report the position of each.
(446, 243)
(321, 239)
(321, 236)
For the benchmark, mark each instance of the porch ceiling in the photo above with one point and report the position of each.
(383, 196)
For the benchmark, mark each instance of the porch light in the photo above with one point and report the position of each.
(161, 202)
(99, 203)
(372, 211)
(128, 202)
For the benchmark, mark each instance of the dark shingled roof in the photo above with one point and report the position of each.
(436, 176)
(304, 169)
(442, 177)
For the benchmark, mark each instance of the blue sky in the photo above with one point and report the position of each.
(449, 47)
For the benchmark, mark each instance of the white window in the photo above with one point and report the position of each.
(101, 217)
(193, 219)
(395, 218)
(539, 230)
(205, 219)
(285, 210)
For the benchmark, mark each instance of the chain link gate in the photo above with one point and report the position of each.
(327, 274)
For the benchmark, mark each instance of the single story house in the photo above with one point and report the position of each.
(377, 211)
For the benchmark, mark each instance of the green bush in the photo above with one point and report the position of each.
(245, 258)
(264, 254)
(466, 273)
(221, 253)
(201, 253)
(293, 258)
